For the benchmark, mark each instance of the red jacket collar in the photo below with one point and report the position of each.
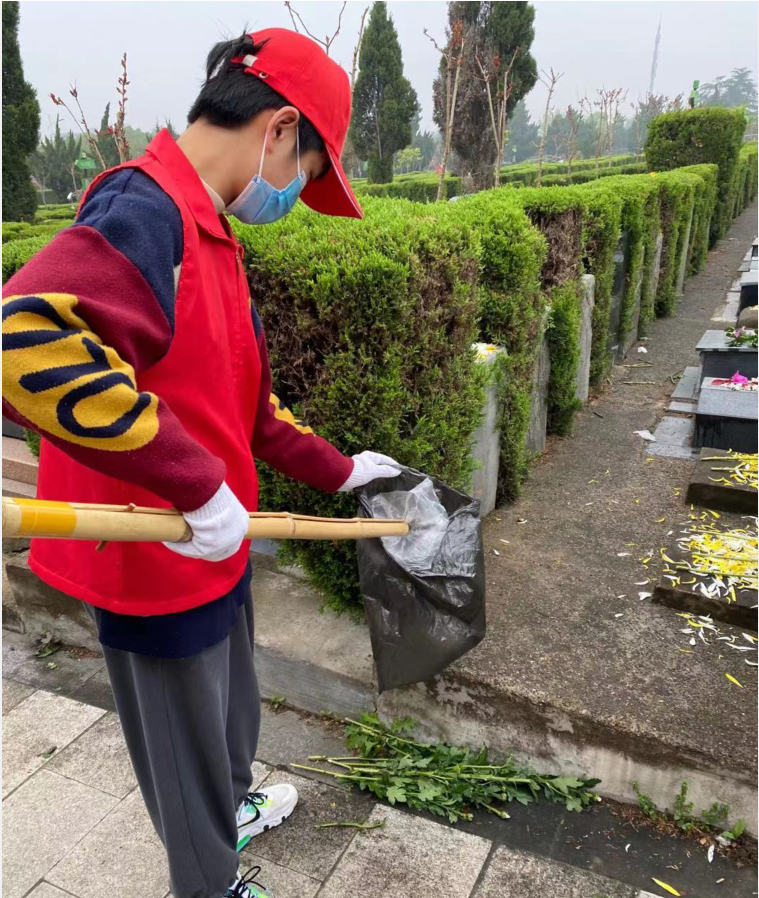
(166, 150)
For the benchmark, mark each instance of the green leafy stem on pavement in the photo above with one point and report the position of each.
(442, 779)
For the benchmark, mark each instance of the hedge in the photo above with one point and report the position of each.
(693, 136)
(564, 341)
(370, 333)
(512, 314)
(423, 186)
(18, 252)
(705, 204)
(20, 230)
(747, 162)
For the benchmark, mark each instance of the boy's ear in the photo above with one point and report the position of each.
(283, 121)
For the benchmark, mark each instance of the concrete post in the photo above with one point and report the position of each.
(536, 433)
(486, 447)
(588, 292)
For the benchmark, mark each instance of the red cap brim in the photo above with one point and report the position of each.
(332, 194)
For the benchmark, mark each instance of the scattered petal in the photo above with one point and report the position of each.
(710, 853)
(645, 435)
(622, 554)
(645, 595)
(496, 552)
(733, 680)
(642, 349)
(627, 847)
(667, 888)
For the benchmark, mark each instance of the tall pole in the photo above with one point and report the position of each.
(655, 60)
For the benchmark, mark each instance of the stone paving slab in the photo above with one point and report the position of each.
(14, 693)
(43, 723)
(122, 856)
(45, 890)
(98, 758)
(408, 857)
(517, 874)
(282, 882)
(42, 821)
(298, 845)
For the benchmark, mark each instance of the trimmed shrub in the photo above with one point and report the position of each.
(559, 214)
(512, 315)
(563, 334)
(748, 162)
(370, 332)
(677, 198)
(19, 230)
(704, 209)
(693, 136)
(639, 219)
(602, 227)
(18, 252)
(50, 213)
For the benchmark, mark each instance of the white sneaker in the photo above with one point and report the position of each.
(262, 811)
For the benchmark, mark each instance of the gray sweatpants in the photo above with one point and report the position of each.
(191, 726)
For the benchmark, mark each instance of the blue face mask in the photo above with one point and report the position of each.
(260, 203)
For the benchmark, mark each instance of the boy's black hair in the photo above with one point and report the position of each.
(230, 98)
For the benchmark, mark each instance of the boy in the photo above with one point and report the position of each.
(131, 343)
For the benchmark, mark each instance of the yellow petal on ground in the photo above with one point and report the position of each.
(660, 520)
(733, 680)
(667, 888)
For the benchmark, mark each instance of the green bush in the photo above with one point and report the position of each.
(677, 194)
(19, 230)
(370, 332)
(639, 219)
(747, 161)
(512, 314)
(693, 136)
(420, 188)
(704, 209)
(602, 229)
(18, 252)
(49, 213)
(564, 341)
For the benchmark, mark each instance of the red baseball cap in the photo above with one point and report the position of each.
(298, 69)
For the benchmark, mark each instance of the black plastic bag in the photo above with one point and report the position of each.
(424, 601)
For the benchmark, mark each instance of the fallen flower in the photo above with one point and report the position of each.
(645, 435)
(733, 680)
(667, 888)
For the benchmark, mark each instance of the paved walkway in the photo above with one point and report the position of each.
(74, 824)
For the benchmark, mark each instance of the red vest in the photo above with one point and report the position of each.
(210, 379)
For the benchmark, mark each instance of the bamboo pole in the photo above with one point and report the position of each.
(118, 523)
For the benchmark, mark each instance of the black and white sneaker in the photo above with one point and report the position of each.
(262, 811)
(247, 887)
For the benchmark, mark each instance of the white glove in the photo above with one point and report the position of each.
(218, 528)
(367, 466)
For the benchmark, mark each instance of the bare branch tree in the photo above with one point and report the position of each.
(357, 49)
(453, 54)
(328, 41)
(574, 120)
(81, 123)
(550, 81)
(490, 74)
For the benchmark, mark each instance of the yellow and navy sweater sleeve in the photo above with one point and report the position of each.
(81, 319)
(288, 444)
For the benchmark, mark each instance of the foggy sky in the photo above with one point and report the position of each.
(604, 43)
